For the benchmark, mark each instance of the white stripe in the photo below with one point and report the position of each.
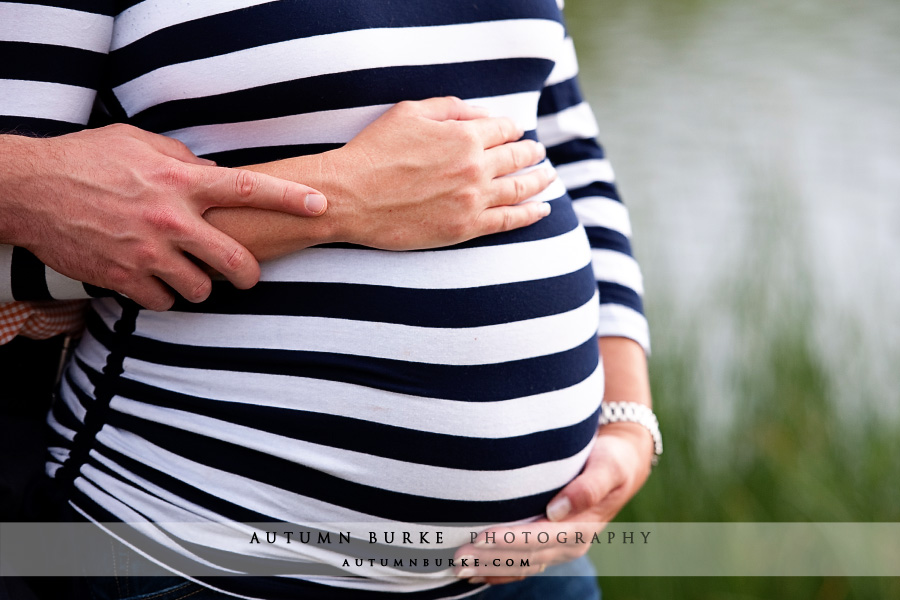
(6, 253)
(585, 172)
(327, 127)
(566, 66)
(622, 321)
(64, 288)
(615, 267)
(55, 26)
(42, 100)
(435, 345)
(440, 269)
(492, 420)
(365, 469)
(575, 122)
(152, 15)
(341, 52)
(603, 212)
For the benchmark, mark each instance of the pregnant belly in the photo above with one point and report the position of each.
(459, 385)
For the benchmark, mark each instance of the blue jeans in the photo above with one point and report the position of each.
(575, 580)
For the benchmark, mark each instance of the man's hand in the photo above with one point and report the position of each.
(122, 208)
(617, 467)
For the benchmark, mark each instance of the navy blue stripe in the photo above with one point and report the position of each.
(28, 276)
(281, 21)
(603, 189)
(613, 293)
(376, 439)
(36, 127)
(370, 87)
(574, 151)
(560, 96)
(306, 481)
(252, 156)
(469, 307)
(471, 383)
(100, 7)
(217, 505)
(608, 239)
(56, 64)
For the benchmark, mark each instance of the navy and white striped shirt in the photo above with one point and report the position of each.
(458, 385)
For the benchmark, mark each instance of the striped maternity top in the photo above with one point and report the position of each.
(351, 385)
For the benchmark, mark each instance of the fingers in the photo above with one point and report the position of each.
(588, 491)
(507, 218)
(149, 292)
(166, 145)
(222, 254)
(240, 187)
(509, 158)
(448, 108)
(494, 131)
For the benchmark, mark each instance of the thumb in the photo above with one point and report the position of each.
(585, 492)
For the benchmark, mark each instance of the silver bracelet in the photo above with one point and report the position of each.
(634, 412)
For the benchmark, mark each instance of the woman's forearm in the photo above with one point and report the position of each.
(423, 175)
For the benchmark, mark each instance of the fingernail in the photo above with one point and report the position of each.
(558, 509)
(315, 203)
(466, 558)
(544, 210)
(477, 580)
(542, 149)
(466, 573)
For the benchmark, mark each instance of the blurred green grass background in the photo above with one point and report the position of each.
(757, 146)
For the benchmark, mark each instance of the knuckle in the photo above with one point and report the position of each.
(236, 260)
(175, 175)
(245, 183)
(201, 290)
(520, 190)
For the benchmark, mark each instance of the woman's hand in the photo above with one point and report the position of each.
(617, 467)
(425, 174)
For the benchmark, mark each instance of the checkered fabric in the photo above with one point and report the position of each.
(40, 320)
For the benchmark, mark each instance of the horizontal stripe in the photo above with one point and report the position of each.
(229, 33)
(329, 54)
(27, 275)
(208, 390)
(55, 64)
(36, 127)
(39, 24)
(571, 123)
(582, 173)
(608, 239)
(622, 321)
(458, 308)
(452, 451)
(324, 471)
(574, 151)
(566, 66)
(371, 87)
(478, 383)
(461, 268)
(483, 345)
(616, 267)
(603, 212)
(64, 288)
(560, 96)
(42, 100)
(613, 293)
(336, 126)
(152, 15)
(604, 189)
